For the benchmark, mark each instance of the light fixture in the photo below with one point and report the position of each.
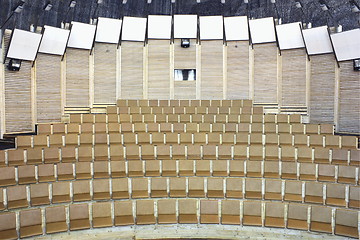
(14, 65)
(124, 1)
(72, 4)
(100, 1)
(18, 9)
(48, 7)
(185, 42)
(273, 1)
(354, 6)
(223, 1)
(323, 5)
(148, 1)
(298, 4)
(246, 1)
(357, 64)
(173, 1)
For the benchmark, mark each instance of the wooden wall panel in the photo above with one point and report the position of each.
(211, 70)
(159, 69)
(48, 88)
(322, 89)
(77, 78)
(105, 73)
(185, 58)
(293, 86)
(238, 70)
(349, 99)
(18, 95)
(265, 76)
(132, 70)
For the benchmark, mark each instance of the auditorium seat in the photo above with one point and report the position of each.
(335, 195)
(30, 223)
(120, 188)
(101, 215)
(145, 212)
(196, 188)
(177, 187)
(79, 216)
(17, 197)
(55, 219)
(139, 188)
(252, 213)
(60, 192)
(7, 176)
(81, 191)
(230, 212)
(101, 189)
(166, 210)
(158, 188)
(187, 211)
(8, 226)
(209, 212)
(354, 197)
(321, 219)
(297, 216)
(39, 194)
(274, 215)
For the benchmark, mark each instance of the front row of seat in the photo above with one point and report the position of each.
(62, 218)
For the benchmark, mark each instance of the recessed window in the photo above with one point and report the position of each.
(185, 74)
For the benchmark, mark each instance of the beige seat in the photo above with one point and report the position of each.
(326, 173)
(230, 212)
(135, 169)
(51, 155)
(236, 168)
(308, 171)
(101, 189)
(101, 214)
(65, 171)
(120, 188)
(203, 168)
(347, 174)
(17, 197)
(274, 215)
(273, 189)
(46, 173)
(355, 157)
(320, 219)
(188, 211)
(349, 142)
(55, 219)
(85, 154)
(145, 212)
(253, 188)
(16, 157)
(123, 211)
(215, 188)
(339, 156)
(288, 170)
(354, 197)
(196, 188)
(297, 216)
(209, 212)
(82, 170)
(166, 209)
(60, 192)
(224, 152)
(152, 168)
(7, 176)
(177, 187)
(81, 191)
(335, 195)
(219, 168)
(293, 191)
(253, 169)
(139, 188)
(30, 223)
(39, 194)
(8, 226)
(158, 188)
(79, 216)
(252, 213)
(304, 154)
(23, 141)
(314, 192)
(346, 223)
(321, 155)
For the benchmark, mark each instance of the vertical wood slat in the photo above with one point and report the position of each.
(293, 88)
(211, 70)
(265, 77)
(105, 73)
(77, 77)
(322, 89)
(185, 58)
(48, 88)
(349, 98)
(159, 69)
(132, 79)
(238, 70)
(17, 89)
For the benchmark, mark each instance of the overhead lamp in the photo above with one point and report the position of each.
(197, 1)
(298, 4)
(246, 1)
(14, 65)
(72, 4)
(148, 1)
(18, 9)
(185, 42)
(124, 1)
(354, 6)
(100, 1)
(223, 1)
(323, 5)
(273, 1)
(173, 1)
(48, 7)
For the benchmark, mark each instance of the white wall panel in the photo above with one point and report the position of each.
(262, 30)
(159, 27)
(81, 35)
(54, 40)
(108, 30)
(317, 40)
(347, 45)
(236, 28)
(185, 26)
(289, 36)
(24, 45)
(211, 27)
(134, 29)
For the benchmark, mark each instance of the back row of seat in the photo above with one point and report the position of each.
(177, 103)
(168, 211)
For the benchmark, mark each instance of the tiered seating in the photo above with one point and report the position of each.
(148, 162)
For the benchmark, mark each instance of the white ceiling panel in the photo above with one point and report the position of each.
(289, 36)
(134, 29)
(236, 28)
(108, 30)
(211, 27)
(54, 40)
(317, 40)
(185, 26)
(81, 35)
(262, 30)
(24, 45)
(159, 27)
(347, 45)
